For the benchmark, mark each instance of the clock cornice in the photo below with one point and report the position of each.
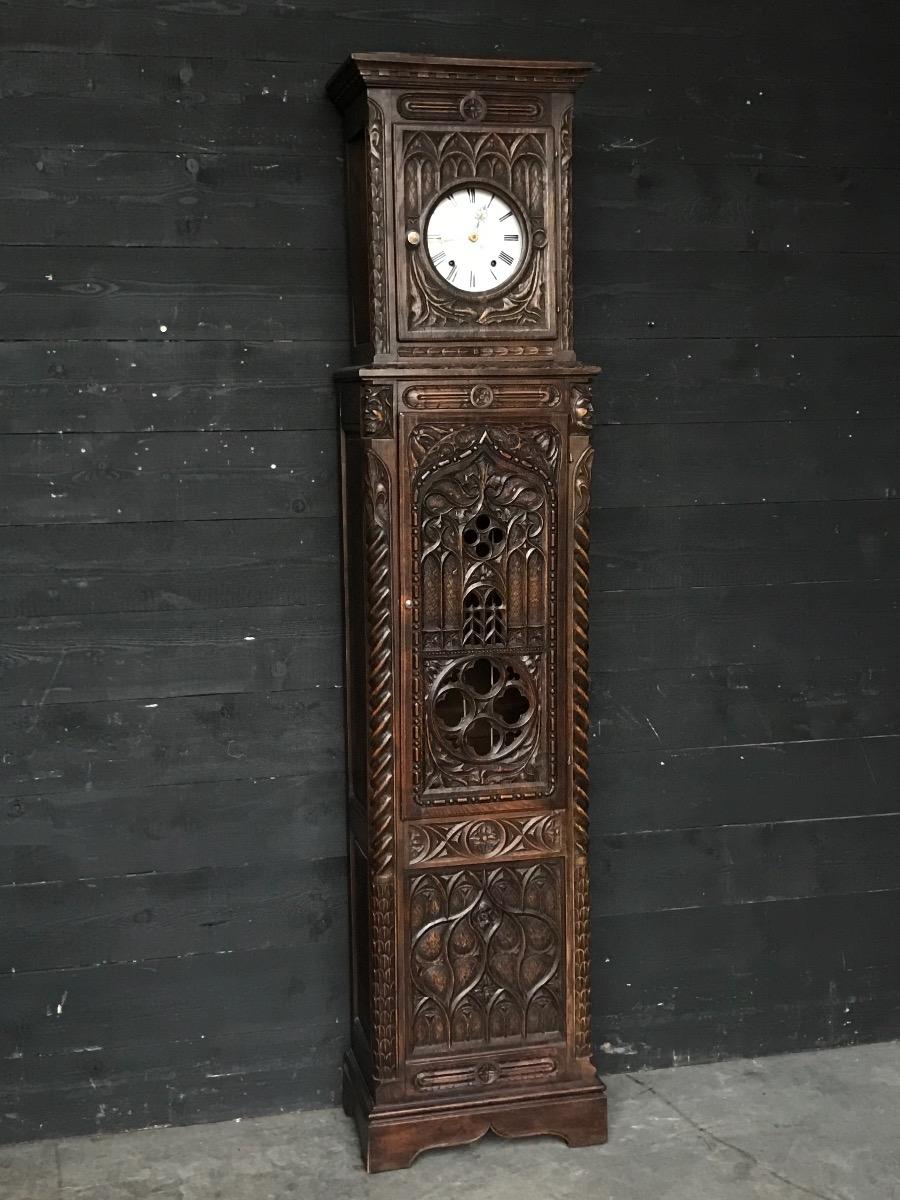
(434, 72)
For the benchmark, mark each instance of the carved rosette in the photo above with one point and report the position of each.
(377, 226)
(581, 568)
(379, 634)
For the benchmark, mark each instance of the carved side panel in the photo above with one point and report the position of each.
(483, 589)
(565, 213)
(380, 782)
(377, 227)
(580, 573)
(520, 163)
(485, 956)
(378, 410)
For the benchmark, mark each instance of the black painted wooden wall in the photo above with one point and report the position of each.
(172, 304)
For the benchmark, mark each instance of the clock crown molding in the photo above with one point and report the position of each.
(434, 72)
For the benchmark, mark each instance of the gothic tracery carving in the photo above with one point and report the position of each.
(485, 955)
(517, 162)
(484, 528)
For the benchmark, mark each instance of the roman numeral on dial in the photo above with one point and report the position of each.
(470, 192)
(452, 274)
(510, 237)
(471, 279)
(504, 257)
(440, 256)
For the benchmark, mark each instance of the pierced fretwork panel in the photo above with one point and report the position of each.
(484, 556)
(484, 617)
(483, 581)
(485, 956)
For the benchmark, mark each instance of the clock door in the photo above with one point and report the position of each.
(474, 215)
(481, 553)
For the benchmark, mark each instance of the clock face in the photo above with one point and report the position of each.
(474, 239)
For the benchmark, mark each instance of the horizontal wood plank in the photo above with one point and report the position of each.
(743, 864)
(180, 828)
(709, 207)
(699, 379)
(698, 984)
(126, 656)
(94, 1089)
(74, 197)
(113, 386)
(785, 294)
(752, 463)
(168, 565)
(166, 477)
(744, 784)
(196, 995)
(210, 910)
(133, 743)
(68, 292)
(791, 700)
(711, 545)
(743, 626)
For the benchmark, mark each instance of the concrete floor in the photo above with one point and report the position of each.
(823, 1125)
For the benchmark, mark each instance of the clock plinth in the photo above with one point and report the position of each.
(392, 1138)
(466, 464)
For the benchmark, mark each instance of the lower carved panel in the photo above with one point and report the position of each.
(485, 956)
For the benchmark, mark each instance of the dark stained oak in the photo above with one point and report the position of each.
(466, 472)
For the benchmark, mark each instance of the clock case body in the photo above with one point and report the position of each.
(466, 460)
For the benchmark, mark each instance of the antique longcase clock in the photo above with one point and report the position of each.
(466, 470)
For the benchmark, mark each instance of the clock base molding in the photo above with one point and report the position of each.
(393, 1136)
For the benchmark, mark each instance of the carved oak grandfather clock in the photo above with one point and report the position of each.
(466, 471)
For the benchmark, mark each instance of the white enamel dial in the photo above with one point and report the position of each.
(474, 239)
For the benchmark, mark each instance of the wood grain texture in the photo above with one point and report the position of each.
(735, 268)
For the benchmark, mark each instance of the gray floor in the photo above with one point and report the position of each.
(823, 1125)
